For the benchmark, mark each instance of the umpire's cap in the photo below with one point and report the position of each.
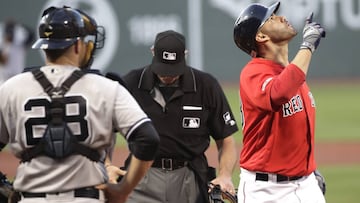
(250, 20)
(60, 27)
(169, 54)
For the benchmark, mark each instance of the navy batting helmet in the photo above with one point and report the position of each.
(60, 27)
(250, 20)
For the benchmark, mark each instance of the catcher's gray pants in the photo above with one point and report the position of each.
(63, 197)
(160, 186)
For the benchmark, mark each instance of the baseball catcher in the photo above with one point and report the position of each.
(7, 192)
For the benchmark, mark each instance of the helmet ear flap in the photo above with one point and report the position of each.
(89, 50)
(89, 54)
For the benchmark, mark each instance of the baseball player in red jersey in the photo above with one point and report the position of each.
(59, 119)
(278, 110)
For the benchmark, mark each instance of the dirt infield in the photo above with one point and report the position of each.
(326, 153)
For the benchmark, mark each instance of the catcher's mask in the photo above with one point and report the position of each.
(250, 20)
(61, 27)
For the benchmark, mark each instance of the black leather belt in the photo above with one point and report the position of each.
(279, 178)
(169, 164)
(87, 192)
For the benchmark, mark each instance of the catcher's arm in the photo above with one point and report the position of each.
(7, 192)
(5, 186)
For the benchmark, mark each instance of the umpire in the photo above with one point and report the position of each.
(187, 107)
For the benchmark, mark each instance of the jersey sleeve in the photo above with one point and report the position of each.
(128, 114)
(222, 121)
(286, 84)
(268, 88)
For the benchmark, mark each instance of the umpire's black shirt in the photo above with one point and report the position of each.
(185, 121)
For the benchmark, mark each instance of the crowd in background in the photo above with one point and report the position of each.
(16, 39)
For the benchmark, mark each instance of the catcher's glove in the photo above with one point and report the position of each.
(216, 195)
(7, 192)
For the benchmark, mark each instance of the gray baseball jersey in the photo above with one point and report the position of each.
(95, 107)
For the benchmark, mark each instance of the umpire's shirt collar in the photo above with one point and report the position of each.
(187, 80)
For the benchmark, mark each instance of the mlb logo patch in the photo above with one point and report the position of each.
(169, 56)
(228, 120)
(190, 122)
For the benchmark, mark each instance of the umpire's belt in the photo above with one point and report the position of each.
(169, 164)
(87, 192)
(279, 178)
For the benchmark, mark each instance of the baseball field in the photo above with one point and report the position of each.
(337, 138)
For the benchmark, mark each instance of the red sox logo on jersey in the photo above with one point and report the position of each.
(296, 104)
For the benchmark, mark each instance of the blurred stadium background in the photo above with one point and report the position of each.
(334, 76)
(131, 27)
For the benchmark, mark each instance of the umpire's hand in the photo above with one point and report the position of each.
(114, 172)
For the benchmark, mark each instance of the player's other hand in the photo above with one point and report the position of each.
(114, 173)
(312, 33)
(114, 193)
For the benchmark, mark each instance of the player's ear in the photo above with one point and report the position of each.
(261, 37)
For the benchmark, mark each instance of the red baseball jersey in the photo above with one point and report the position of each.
(278, 115)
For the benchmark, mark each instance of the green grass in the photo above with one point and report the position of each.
(342, 183)
(338, 108)
(232, 95)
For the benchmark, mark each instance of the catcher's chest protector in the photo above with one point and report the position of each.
(58, 141)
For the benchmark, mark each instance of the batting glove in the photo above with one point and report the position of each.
(312, 34)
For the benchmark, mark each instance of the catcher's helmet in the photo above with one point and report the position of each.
(249, 22)
(60, 27)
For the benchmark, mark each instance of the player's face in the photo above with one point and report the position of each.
(278, 29)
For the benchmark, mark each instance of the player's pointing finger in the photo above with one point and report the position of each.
(310, 17)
